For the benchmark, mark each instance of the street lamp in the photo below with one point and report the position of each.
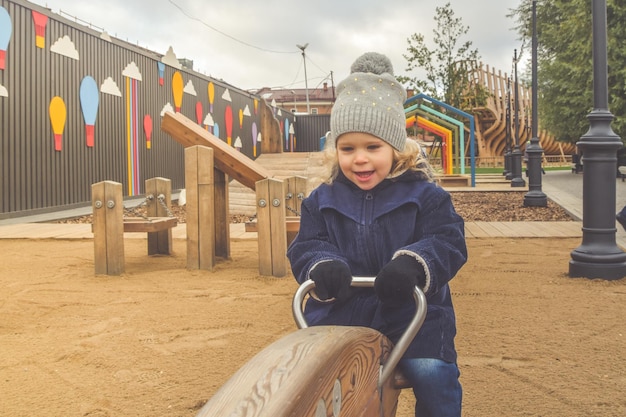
(508, 173)
(534, 197)
(295, 103)
(516, 155)
(306, 80)
(599, 256)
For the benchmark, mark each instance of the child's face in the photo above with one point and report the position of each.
(364, 159)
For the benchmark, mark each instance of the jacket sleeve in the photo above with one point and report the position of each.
(311, 245)
(440, 244)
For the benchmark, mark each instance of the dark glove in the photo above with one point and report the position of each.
(396, 281)
(332, 280)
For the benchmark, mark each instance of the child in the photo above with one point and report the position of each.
(380, 214)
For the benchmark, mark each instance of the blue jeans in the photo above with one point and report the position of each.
(436, 386)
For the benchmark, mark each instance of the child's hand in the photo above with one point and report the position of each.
(395, 282)
(332, 280)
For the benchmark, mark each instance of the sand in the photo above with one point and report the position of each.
(160, 339)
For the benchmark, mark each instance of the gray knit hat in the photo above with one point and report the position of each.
(370, 100)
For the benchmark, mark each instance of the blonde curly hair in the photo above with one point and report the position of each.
(410, 159)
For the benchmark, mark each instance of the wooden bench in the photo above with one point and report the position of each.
(109, 223)
(149, 224)
(292, 226)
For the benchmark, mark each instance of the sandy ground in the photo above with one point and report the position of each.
(159, 340)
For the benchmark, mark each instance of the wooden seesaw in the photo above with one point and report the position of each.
(320, 371)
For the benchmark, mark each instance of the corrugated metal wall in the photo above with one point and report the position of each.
(36, 177)
(309, 129)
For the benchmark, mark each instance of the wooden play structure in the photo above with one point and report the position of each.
(110, 224)
(212, 158)
(320, 371)
(491, 115)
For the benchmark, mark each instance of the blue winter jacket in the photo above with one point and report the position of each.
(366, 229)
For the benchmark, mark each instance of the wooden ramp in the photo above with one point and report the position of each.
(227, 159)
(280, 166)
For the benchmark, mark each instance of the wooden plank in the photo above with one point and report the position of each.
(521, 229)
(149, 225)
(227, 159)
(473, 230)
(292, 224)
(503, 228)
(488, 229)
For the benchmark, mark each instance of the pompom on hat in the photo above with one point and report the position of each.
(370, 100)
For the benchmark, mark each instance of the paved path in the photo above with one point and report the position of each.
(566, 189)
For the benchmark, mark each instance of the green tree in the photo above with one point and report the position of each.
(449, 66)
(565, 67)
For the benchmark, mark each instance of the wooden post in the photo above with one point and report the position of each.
(108, 227)
(199, 186)
(159, 242)
(295, 191)
(272, 235)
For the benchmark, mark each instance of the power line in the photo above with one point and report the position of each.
(226, 34)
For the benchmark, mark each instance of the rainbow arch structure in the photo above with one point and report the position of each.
(445, 135)
(457, 150)
(451, 123)
(419, 98)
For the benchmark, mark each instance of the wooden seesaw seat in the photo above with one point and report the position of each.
(325, 366)
(345, 371)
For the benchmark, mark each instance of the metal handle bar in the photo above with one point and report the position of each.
(400, 347)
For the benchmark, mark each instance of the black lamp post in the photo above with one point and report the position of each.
(516, 154)
(598, 256)
(508, 174)
(534, 197)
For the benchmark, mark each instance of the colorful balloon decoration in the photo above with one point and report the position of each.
(292, 137)
(147, 129)
(199, 112)
(58, 115)
(40, 20)
(254, 134)
(211, 91)
(177, 90)
(285, 129)
(89, 100)
(161, 72)
(228, 119)
(6, 29)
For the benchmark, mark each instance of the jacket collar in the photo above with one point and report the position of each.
(347, 198)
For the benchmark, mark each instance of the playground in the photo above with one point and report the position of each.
(160, 339)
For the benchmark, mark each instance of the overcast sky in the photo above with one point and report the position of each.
(252, 44)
